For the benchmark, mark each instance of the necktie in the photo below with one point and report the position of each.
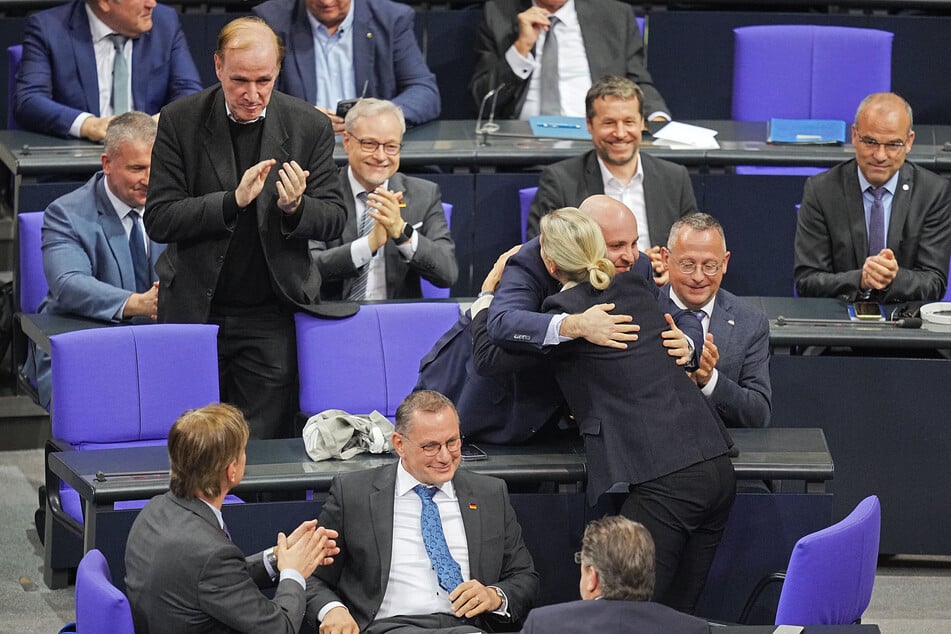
(224, 528)
(140, 261)
(120, 76)
(447, 570)
(876, 221)
(699, 314)
(550, 98)
(358, 290)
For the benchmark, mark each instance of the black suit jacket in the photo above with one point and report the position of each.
(832, 238)
(612, 42)
(360, 508)
(193, 178)
(612, 617)
(184, 575)
(435, 257)
(668, 193)
(641, 416)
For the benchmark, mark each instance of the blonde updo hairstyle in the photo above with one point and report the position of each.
(572, 241)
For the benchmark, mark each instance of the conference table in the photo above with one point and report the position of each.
(548, 495)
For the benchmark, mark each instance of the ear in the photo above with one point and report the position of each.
(726, 260)
(106, 164)
(664, 255)
(232, 471)
(218, 63)
(398, 443)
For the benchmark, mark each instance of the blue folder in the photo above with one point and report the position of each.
(806, 131)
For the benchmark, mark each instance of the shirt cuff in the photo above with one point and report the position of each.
(327, 608)
(479, 305)
(552, 336)
(711, 384)
(360, 252)
(503, 610)
(523, 67)
(658, 113)
(290, 573)
(408, 248)
(267, 565)
(75, 129)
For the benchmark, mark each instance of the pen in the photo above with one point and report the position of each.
(560, 126)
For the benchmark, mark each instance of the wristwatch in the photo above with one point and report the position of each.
(406, 235)
(271, 557)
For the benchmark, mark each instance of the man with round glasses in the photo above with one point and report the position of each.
(396, 231)
(734, 365)
(875, 227)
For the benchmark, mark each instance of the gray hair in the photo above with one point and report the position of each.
(698, 221)
(622, 551)
(881, 96)
(131, 127)
(420, 401)
(370, 107)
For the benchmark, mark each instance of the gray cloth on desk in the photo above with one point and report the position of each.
(334, 433)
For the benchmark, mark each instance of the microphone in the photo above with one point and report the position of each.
(489, 126)
(907, 322)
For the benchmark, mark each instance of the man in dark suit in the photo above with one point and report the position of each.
(406, 235)
(875, 228)
(734, 366)
(58, 87)
(238, 230)
(371, 52)
(594, 38)
(617, 584)
(183, 572)
(386, 579)
(87, 253)
(656, 191)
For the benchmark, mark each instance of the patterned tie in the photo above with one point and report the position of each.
(876, 221)
(120, 76)
(447, 570)
(550, 98)
(699, 314)
(358, 290)
(140, 260)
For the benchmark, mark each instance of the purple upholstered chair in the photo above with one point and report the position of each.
(525, 198)
(100, 606)
(429, 290)
(14, 55)
(30, 280)
(369, 361)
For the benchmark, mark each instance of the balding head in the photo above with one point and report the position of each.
(618, 226)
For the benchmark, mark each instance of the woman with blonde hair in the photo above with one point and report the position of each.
(648, 430)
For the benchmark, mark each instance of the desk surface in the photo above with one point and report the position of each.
(773, 453)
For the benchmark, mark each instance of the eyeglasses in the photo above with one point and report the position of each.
(687, 267)
(891, 147)
(578, 557)
(369, 146)
(433, 448)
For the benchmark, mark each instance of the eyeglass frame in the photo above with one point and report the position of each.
(458, 440)
(680, 264)
(377, 145)
(890, 146)
(578, 558)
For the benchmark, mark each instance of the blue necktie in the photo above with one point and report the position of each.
(876, 221)
(120, 76)
(140, 260)
(358, 290)
(447, 570)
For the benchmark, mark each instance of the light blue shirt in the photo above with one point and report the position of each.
(867, 199)
(333, 55)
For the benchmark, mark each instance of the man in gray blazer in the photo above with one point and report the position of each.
(242, 177)
(406, 237)
(595, 38)
(657, 191)
(385, 578)
(875, 228)
(183, 572)
(734, 365)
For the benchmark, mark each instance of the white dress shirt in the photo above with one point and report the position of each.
(105, 58)
(333, 57)
(631, 194)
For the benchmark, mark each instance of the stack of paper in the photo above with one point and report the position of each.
(683, 136)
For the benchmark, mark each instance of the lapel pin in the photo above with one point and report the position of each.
(473, 507)
(905, 187)
(369, 36)
(731, 322)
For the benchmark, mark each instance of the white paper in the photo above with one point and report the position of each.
(683, 136)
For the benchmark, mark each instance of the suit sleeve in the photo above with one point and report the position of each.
(417, 93)
(497, 32)
(320, 586)
(69, 271)
(927, 277)
(515, 319)
(435, 257)
(227, 592)
(34, 106)
(746, 401)
(813, 251)
(334, 262)
(551, 196)
(183, 78)
(491, 359)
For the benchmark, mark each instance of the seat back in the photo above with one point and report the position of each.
(369, 361)
(832, 572)
(525, 198)
(31, 286)
(100, 606)
(429, 290)
(807, 71)
(14, 55)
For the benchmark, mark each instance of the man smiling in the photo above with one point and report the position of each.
(875, 227)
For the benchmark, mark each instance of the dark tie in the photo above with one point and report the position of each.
(120, 76)
(447, 570)
(550, 97)
(699, 314)
(140, 260)
(876, 221)
(224, 528)
(358, 290)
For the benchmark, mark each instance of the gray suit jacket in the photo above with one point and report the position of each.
(743, 394)
(360, 508)
(668, 193)
(194, 177)
(184, 576)
(86, 255)
(612, 42)
(612, 617)
(832, 238)
(435, 257)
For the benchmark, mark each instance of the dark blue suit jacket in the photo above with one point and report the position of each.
(386, 56)
(57, 80)
(611, 617)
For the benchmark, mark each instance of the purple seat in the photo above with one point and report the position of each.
(525, 198)
(369, 361)
(14, 55)
(100, 606)
(30, 279)
(429, 290)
